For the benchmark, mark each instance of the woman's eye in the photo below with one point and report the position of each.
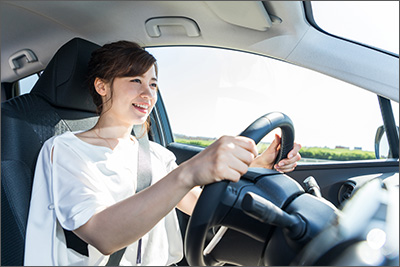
(153, 85)
(136, 81)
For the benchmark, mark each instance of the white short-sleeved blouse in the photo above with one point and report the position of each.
(81, 180)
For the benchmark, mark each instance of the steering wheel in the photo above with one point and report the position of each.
(207, 212)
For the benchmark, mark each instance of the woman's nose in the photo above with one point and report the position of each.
(147, 91)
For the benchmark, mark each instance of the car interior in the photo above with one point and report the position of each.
(58, 103)
(268, 218)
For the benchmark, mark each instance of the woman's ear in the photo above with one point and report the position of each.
(100, 86)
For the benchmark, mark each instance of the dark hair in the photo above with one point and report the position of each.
(118, 59)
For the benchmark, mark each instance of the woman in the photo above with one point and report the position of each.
(92, 176)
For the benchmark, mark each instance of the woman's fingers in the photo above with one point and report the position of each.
(275, 145)
(234, 155)
(229, 157)
(241, 142)
(290, 163)
(226, 159)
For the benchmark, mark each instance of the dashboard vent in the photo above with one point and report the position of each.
(346, 191)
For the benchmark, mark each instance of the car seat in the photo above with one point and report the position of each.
(59, 102)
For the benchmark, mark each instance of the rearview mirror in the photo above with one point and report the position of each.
(382, 150)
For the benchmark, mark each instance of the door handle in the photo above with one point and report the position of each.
(28, 54)
(153, 25)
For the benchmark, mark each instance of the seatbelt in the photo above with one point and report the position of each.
(143, 181)
(144, 162)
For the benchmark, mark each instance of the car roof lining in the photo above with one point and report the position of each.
(40, 14)
(284, 41)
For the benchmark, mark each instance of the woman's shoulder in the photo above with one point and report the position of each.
(65, 140)
(66, 137)
(158, 149)
(57, 138)
(49, 144)
(161, 152)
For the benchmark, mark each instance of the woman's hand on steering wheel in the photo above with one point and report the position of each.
(228, 158)
(268, 157)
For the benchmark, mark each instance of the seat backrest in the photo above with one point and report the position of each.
(59, 102)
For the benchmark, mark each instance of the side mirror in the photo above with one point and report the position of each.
(382, 150)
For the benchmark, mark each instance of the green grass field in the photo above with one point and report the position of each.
(306, 152)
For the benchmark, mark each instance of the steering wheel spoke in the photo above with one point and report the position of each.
(215, 240)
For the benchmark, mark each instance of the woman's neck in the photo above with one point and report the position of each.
(108, 128)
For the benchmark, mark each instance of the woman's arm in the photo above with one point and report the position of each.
(125, 222)
(189, 201)
(265, 160)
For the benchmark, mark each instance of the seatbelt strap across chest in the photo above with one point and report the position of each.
(144, 174)
(143, 180)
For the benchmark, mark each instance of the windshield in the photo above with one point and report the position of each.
(374, 23)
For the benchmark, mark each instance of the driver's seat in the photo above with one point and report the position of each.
(58, 102)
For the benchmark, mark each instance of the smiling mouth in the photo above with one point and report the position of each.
(140, 106)
(143, 108)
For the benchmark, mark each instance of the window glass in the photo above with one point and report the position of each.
(375, 23)
(26, 84)
(210, 92)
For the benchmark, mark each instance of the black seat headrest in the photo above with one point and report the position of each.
(63, 82)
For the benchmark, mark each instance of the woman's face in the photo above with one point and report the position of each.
(133, 98)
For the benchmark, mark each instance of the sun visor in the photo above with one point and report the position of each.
(248, 14)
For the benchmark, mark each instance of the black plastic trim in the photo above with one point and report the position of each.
(349, 164)
(165, 126)
(160, 126)
(390, 126)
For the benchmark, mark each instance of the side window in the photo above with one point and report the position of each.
(210, 92)
(20, 87)
(26, 84)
